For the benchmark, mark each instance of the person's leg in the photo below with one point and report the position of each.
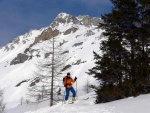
(73, 92)
(67, 93)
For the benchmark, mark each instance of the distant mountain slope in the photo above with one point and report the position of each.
(79, 36)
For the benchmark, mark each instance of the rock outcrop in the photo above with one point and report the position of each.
(64, 18)
(46, 35)
(21, 58)
(73, 29)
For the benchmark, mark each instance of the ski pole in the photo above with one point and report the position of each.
(63, 98)
(76, 90)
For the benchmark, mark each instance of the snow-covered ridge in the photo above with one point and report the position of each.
(64, 18)
(22, 40)
(18, 45)
(66, 24)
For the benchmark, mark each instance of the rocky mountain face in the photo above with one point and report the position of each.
(48, 33)
(66, 19)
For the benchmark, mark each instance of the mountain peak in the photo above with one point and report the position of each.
(64, 18)
(63, 15)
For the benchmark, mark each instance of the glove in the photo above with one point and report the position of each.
(66, 85)
(75, 78)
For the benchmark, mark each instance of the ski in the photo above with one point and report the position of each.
(70, 102)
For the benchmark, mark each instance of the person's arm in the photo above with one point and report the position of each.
(73, 80)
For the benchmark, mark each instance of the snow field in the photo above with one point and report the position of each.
(139, 104)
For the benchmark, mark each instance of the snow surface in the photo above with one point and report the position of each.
(83, 105)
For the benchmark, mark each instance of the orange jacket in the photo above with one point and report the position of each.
(67, 82)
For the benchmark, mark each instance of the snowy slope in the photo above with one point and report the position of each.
(130, 105)
(11, 75)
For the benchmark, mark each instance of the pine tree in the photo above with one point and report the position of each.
(116, 68)
(143, 49)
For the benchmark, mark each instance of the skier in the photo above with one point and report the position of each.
(67, 80)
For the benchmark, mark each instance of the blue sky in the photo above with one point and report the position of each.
(19, 16)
